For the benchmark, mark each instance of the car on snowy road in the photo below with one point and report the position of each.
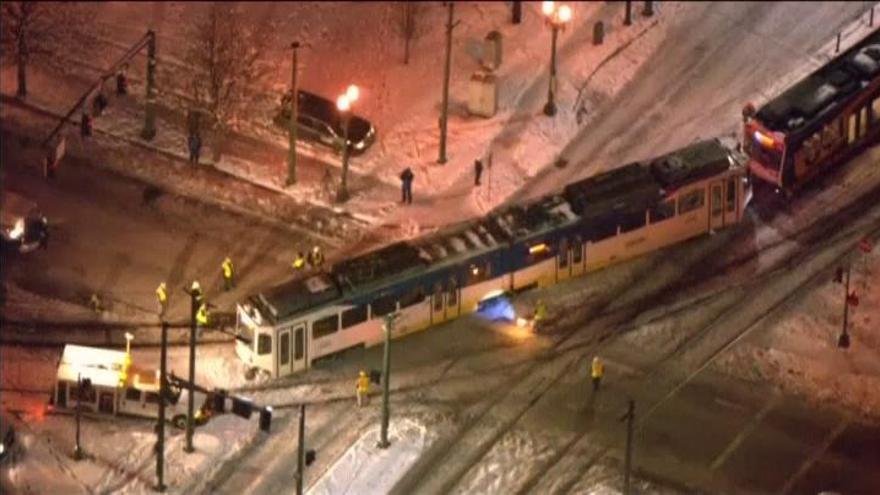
(23, 227)
(320, 121)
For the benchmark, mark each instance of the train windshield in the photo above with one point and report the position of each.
(763, 150)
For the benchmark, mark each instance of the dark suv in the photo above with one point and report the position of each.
(319, 121)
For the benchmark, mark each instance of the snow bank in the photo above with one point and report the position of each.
(365, 468)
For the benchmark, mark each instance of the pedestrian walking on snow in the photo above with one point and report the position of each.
(299, 262)
(316, 258)
(478, 171)
(406, 180)
(597, 369)
(162, 298)
(362, 385)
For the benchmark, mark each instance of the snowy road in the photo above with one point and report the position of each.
(717, 57)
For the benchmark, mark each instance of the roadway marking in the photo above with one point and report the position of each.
(844, 422)
(746, 430)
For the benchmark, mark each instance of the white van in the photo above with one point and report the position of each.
(118, 387)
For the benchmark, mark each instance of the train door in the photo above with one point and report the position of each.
(453, 296)
(284, 354)
(300, 350)
(563, 260)
(716, 205)
(731, 215)
(438, 304)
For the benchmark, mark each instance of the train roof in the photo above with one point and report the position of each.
(806, 102)
(634, 187)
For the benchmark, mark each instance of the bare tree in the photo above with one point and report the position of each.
(227, 57)
(33, 30)
(409, 13)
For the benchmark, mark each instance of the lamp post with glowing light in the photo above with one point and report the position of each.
(343, 103)
(556, 16)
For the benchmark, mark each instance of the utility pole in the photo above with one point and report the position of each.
(149, 131)
(630, 417)
(77, 449)
(301, 450)
(194, 302)
(843, 340)
(628, 19)
(294, 116)
(388, 327)
(163, 396)
(445, 106)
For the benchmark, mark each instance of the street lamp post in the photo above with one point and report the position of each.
(556, 16)
(294, 115)
(160, 426)
(386, 379)
(195, 294)
(343, 103)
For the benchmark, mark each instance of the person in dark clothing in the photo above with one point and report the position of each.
(478, 171)
(406, 179)
(195, 148)
(99, 104)
(121, 84)
(86, 125)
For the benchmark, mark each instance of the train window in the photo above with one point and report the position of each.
(298, 345)
(539, 251)
(438, 297)
(152, 398)
(353, 316)
(563, 253)
(863, 123)
(414, 296)
(577, 250)
(264, 344)
(876, 107)
(452, 293)
(284, 351)
(662, 211)
(384, 305)
(132, 394)
(89, 394)
(325, 326)
(691, 201)
(478, 272)
(716, 200)
(631, 221)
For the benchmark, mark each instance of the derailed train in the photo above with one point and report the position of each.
(607, 218)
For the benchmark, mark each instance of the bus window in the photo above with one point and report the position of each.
(325, 326)
(563, 253)
(438, 297)
(384, 305)
(663, 211)
(631, 221)
(264, 344)
(414, 296)
(452, 294)
(716, 199)
(353, 316)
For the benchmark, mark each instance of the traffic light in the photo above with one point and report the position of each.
(265, 418)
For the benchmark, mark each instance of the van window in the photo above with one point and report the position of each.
(353, 316)
(152, 398)
(325, 326)
(132, 394)
(264, 344)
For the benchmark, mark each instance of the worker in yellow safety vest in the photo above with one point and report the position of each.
(597, 370)
(202, 315)
(363, 387)
(299, 262)
(227, 273)
(540, 314)
(316, 257)
(162, 297)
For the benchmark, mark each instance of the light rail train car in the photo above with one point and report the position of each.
(820, 122)
(592, 223)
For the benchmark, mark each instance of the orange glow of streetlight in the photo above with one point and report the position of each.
(564, 13)
(548, 7)
(343, 103)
